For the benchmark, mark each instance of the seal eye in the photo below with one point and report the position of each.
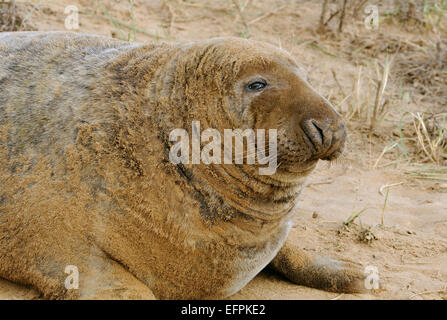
(256, 86)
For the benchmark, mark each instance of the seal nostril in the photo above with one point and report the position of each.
(314, 132)
(320, 131)
(326, 137)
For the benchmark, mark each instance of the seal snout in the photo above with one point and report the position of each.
(326, 137)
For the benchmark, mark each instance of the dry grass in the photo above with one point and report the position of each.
(421, 141)
(335, 14)
(419, 15)
(13, 16)
(431, 133)
(371, 97)
(436, 173)
(8, 16)
(389, 66)
(425, 69)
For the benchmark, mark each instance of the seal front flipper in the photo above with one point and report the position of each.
(106, 279)
(320, 273)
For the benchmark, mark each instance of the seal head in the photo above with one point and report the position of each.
(260, 86)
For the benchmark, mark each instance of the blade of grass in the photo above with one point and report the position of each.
(132, 15)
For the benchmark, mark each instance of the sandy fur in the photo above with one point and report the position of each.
(85, 177)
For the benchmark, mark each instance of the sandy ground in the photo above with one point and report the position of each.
(408, 248)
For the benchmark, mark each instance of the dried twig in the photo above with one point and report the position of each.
(8, 16)
(381, 86)
(246, 5)
(386, 186)
(328, 181)
(323, 14)
(338, 83)
(172, 15)
(342, 17)
(376, 106)
(358, 8)
(268, 14)
(427, 292)
(338, 297)
(132, 15)
(335, 13)
(385, 150)
(241, 15)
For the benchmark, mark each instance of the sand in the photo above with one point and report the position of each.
(402, 230)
